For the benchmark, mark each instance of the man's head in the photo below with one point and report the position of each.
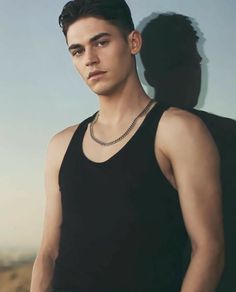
(101, 39)
(116, 12)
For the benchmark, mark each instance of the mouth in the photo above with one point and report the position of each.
(95, 74)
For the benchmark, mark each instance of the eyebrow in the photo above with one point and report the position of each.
(91, 40)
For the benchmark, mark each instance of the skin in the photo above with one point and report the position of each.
(184, 150)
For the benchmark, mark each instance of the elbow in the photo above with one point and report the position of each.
(47, 255)
(213, 251)
(218, 257)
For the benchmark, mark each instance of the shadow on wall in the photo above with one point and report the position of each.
(176, 67)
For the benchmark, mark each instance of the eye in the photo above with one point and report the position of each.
(78, 52)
(102, 43)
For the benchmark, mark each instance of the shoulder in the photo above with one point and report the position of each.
(176, 122)
(180, 129)
(59, 143)
(179, 119)
(63, 137)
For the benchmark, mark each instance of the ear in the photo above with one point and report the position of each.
(135, 42)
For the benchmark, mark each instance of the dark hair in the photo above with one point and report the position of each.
(116, 12)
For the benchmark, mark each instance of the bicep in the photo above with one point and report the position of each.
(195, 161)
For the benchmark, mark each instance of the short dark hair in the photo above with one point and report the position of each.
(117, 12)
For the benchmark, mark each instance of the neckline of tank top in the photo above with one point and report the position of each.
(115, 155)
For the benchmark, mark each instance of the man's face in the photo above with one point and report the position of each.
(98, 47)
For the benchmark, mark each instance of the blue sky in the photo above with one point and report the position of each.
(41, 93)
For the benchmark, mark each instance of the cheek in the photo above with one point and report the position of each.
(77, 65)
(79, 69)
(117, 58)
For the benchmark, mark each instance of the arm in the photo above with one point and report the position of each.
(44, 264)
(195, 162)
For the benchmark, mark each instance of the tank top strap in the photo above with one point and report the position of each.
(75, 143)
(153, 117)
(80, 131)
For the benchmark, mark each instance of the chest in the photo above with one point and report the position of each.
(101, 154)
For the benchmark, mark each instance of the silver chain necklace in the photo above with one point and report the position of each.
(125, 133)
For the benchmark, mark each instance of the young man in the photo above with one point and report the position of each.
(126, 185)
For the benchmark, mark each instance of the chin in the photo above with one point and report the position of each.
(103, 90)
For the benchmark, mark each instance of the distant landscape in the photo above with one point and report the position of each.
(15, 270)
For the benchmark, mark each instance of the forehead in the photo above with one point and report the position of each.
(82, 30)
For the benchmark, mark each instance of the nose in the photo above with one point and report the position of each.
(91, 58)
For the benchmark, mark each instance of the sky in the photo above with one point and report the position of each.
(41, 93)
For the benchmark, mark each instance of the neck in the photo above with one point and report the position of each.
(122, 105)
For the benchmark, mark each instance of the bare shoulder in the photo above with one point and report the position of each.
(176, 118)
(64, 136)
(59, 142)
(179, 123)
(179, 128)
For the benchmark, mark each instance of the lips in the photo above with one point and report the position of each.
(95, 73)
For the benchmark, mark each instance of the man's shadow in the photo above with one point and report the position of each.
(175, 66)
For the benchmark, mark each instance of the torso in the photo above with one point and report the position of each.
(98, 153)
(126, 202)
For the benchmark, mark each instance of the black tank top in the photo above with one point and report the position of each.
(122, 227)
